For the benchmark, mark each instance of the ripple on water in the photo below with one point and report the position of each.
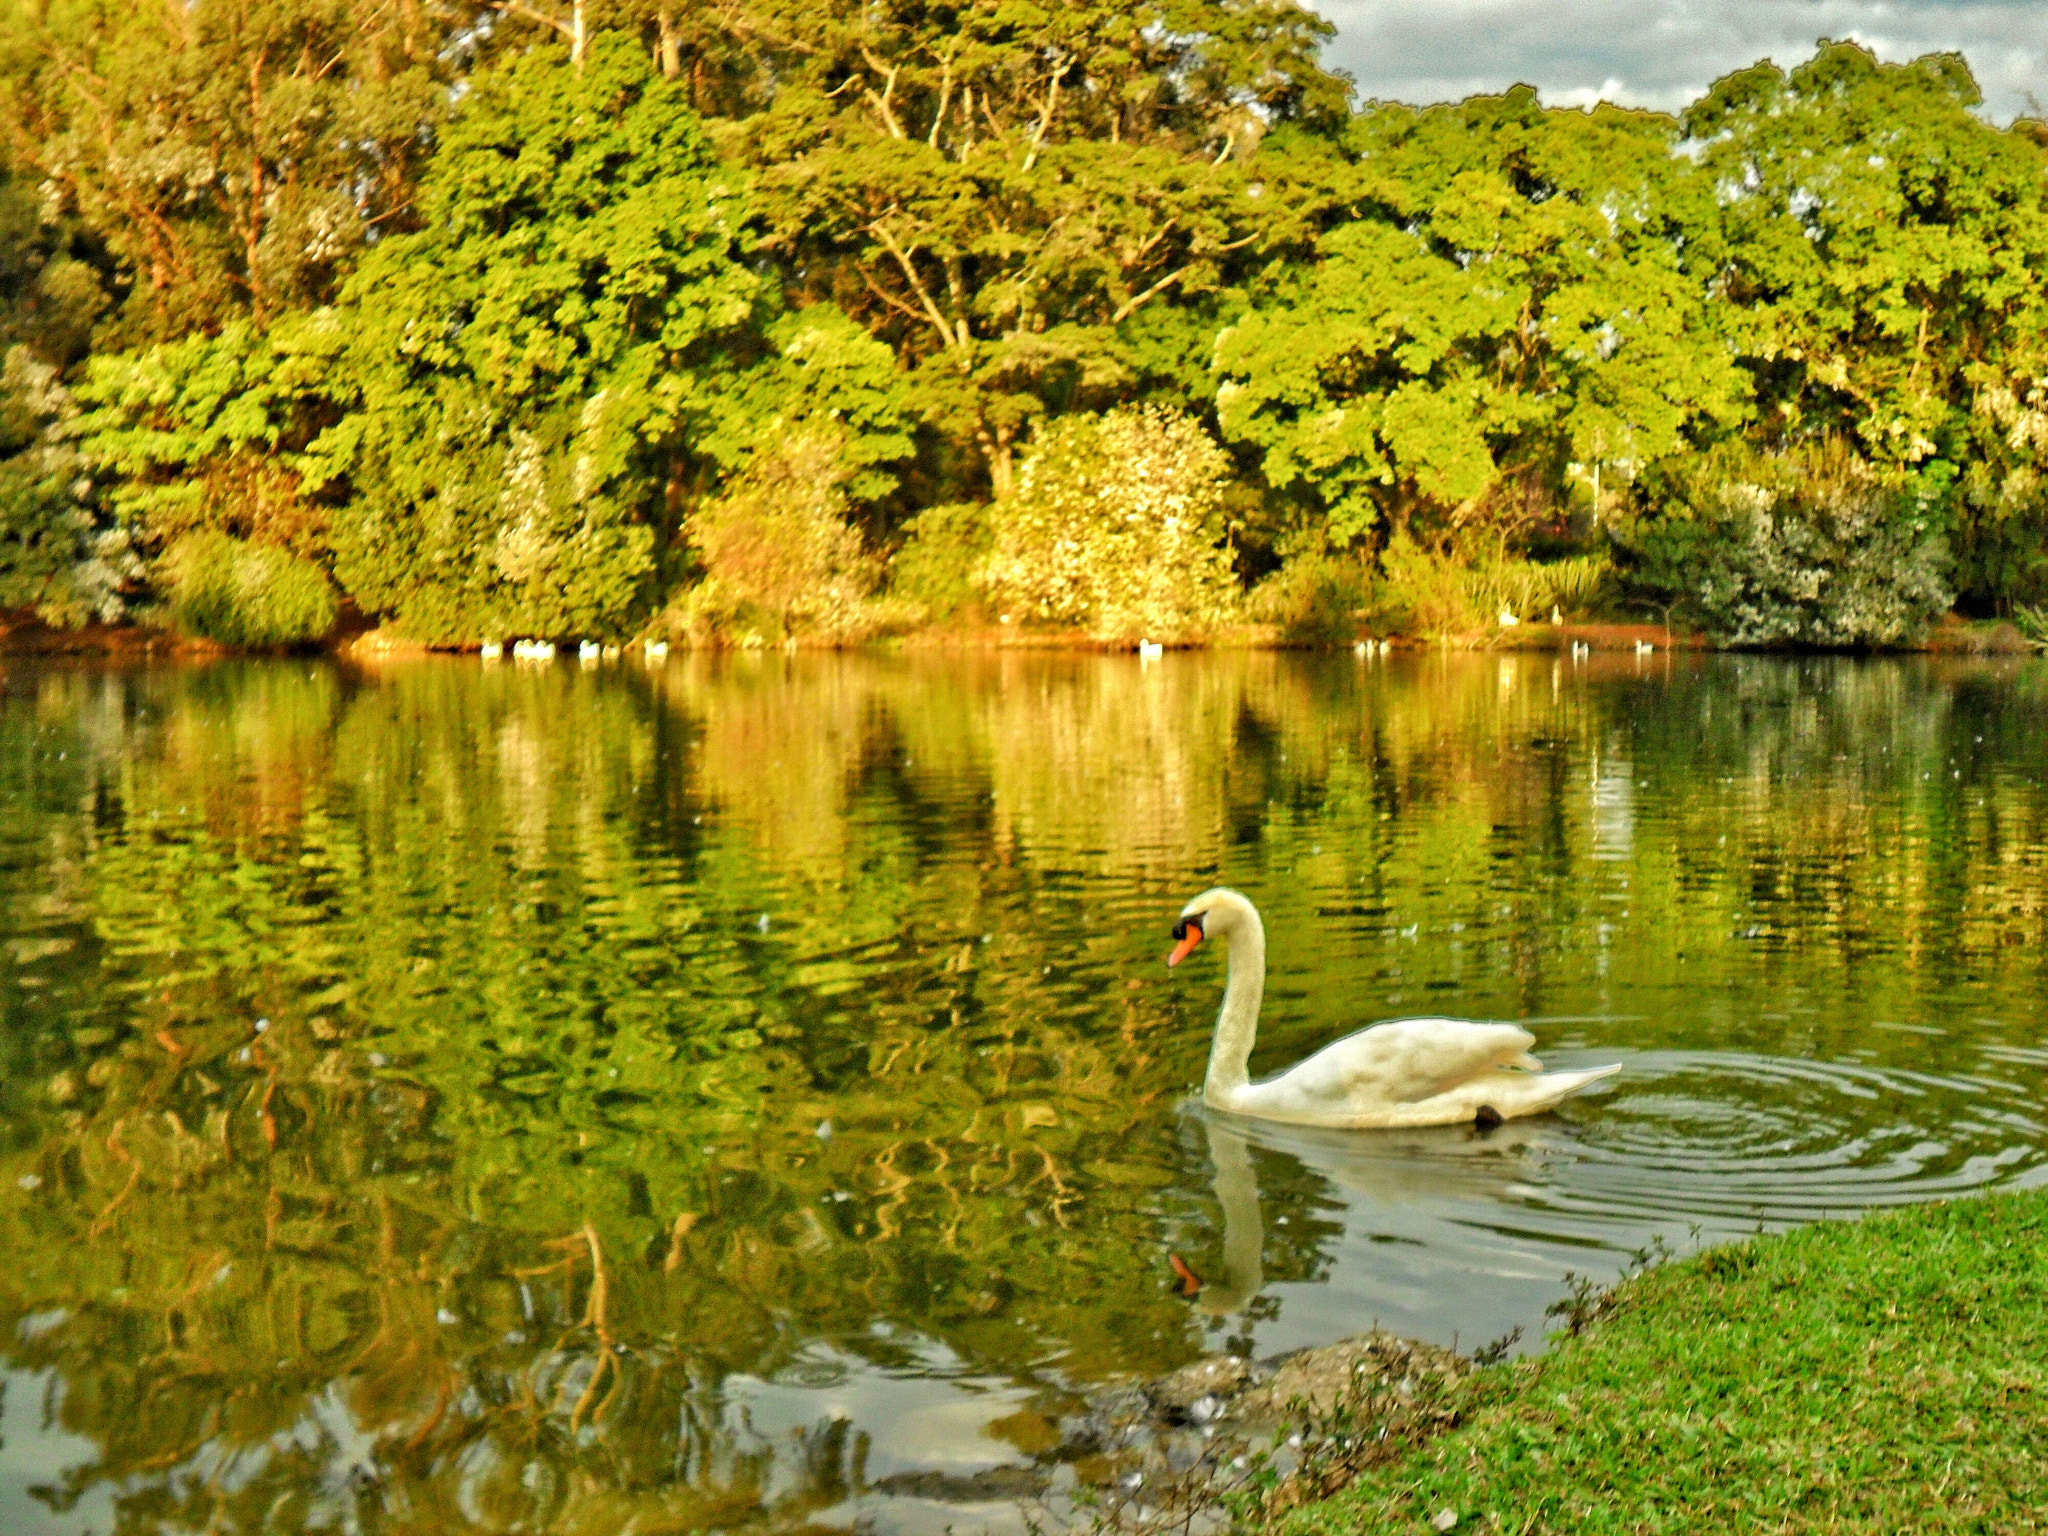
(1729, 1138)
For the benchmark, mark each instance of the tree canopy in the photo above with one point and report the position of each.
(478, 306)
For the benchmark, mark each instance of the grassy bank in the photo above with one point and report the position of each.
(1887, 1374)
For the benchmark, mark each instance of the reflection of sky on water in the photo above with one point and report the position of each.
(41, 1460)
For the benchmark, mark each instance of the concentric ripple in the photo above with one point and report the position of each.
(1734, 1139)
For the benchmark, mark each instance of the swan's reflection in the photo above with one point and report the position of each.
(1244, 1229)
(1440, 1234)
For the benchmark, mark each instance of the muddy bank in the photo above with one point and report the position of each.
(1187, 1440)
(1261, 1396)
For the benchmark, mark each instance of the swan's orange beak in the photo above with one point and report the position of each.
(1190, 934)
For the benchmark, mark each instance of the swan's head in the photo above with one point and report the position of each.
(1215, 914)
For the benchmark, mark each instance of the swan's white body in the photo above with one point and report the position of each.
(1410, 1072)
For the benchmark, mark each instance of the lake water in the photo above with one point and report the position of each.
(748, 1092)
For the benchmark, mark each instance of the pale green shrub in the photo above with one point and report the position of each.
(780, 562)
(247, 595)
(1117, 525)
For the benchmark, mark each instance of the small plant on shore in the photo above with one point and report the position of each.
(1446, 590)
(2032, 623)
(1586, 1301)
(1117, 525)
(1394, 1402)
(252, 595)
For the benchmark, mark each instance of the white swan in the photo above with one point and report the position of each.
(1409, 1072)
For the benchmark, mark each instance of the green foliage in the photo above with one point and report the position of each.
(1808, 548)
(1118, 526)
(940, 563)
(51, 294)
(1520, 289)
(55, 557)
(998, 189)
(524, 373)
(229, 160)
(210, 432)
(822, 374)
(477, 319)
(250, 596)
(1888, 261)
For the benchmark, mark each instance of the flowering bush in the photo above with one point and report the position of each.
(1808, 548)
(1117, 525)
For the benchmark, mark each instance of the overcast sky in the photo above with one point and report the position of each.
(1663, 53)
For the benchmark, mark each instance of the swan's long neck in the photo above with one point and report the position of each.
(1237, 1025)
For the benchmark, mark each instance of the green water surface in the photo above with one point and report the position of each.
(748, 1092)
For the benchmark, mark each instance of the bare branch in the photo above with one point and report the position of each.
(945, 101)
(1132, 305)
(881, 102)
(1052, 101)
(572, 29)
(931, 308)
(889, 298)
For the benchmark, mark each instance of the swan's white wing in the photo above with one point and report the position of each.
(1413, 1059)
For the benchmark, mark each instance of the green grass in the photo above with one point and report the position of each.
(1889, 1374)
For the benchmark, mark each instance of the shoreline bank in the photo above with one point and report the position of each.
(1872, 1373)
(21, 636)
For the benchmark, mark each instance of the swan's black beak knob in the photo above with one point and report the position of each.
(1187, 934)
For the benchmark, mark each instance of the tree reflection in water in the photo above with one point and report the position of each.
(485, 1098)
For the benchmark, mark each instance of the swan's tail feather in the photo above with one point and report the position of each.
(1539, 1093)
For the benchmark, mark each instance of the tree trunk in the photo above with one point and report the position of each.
(1001, 478)
(671, 49)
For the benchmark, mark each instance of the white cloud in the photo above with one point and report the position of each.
(1664, 53)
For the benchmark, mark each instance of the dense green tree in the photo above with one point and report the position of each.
(998, 188)
(233, 158)
(1886, 270)
(1522, 291)
(210, 433)
(522, 373)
